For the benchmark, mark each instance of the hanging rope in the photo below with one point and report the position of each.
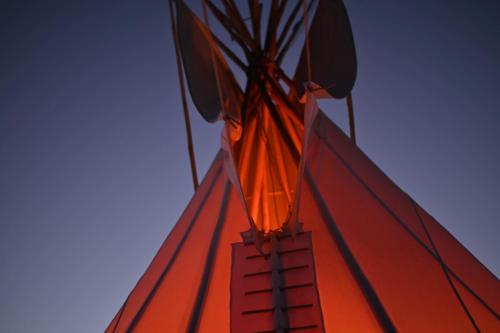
(306, 34)
(350, 110)
(180, 75)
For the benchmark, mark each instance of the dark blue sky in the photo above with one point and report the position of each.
(94, 170)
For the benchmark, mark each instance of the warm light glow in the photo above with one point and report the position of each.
(267, 168)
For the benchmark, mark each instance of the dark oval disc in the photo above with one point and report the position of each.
(199, 68)
(332, 51)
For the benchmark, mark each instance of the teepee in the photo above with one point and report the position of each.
(294, 228)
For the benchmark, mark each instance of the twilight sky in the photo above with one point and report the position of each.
(93, 166)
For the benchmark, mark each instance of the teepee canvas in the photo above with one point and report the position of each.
(294, 228)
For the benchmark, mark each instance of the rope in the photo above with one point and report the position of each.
(180, 76)
(350, 110)
(401, 223)
(444, 266)
(308, 51)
